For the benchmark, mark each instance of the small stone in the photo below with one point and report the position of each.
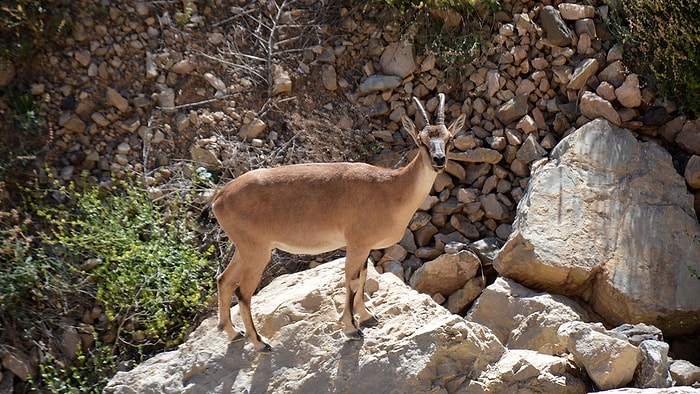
(253, 129)
(428, 63)
(459, 301)
(329, 77)
(121, 159)
(71, 122)
(615, 53)
(395, 252)
(446, 274)
(525, 87)
(614, 73)
(184, 66)
(670, 130)
(166, 98)
(584, 44)
(394, 267)
(493, 82)
(142, 8)
(655, 116)
(216, 39)
(692, 172)
(205, 157)
(689, 137)
(151, 67)
(379, 83)
(606, 91)
(100, 119)
(530, 150)
(215, 81)
(131, 125)
(38, 89)
(158, 137)
(83, 57)
(594, 106)
(629, 94)
(464, 141)
(610, 362)
(653, 371)
(18, 364)
(123, 148)
(476, 155)
(582, 72)
(282, 81)
(586, 26)
(116, 100)
(493, 208)
(554, 27)
(572, 11)
(526, 125)
(398, 59)
(512, 109)
(684, 372)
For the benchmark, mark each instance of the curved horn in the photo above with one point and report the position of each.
(422, 110)
(441, 110)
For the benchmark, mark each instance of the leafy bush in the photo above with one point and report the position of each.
(149, 276)
(88, 373)
(662, 42)
(106, 246)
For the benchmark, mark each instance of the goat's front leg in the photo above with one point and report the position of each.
(367, 318)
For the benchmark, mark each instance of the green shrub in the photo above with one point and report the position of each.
(107, 246)
(88, 374)
(662, 42)
(149, 275)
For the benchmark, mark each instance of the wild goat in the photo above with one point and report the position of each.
(315, 208)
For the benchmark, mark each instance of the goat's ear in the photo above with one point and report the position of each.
(410, 128)
(457, 125)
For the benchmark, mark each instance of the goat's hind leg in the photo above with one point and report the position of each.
(367, 318)
(249, 280)
(355, 260)
(226, 282)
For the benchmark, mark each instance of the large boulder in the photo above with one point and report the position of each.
(609, 219)
(522, 318)
(609, 361)
(418, 346)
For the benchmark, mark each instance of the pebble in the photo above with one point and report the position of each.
(215, 81)
(116, 100)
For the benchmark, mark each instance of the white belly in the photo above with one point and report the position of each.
(313, 246)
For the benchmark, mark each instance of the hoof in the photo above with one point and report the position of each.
(240, 335)
(355, 335)
(371, 322)
(264, 349)
(233, 335)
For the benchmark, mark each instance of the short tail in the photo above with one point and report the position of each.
(205, 217)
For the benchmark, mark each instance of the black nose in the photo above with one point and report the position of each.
(439, 160)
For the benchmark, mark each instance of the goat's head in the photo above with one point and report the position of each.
(437, 139)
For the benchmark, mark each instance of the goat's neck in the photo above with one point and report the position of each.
(417, 177)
